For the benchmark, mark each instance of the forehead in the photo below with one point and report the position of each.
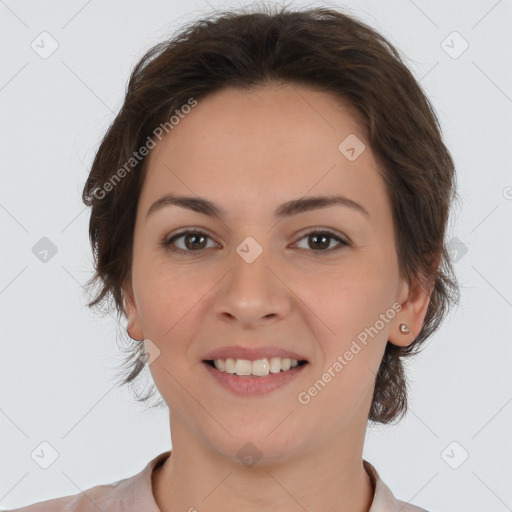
(266, 145)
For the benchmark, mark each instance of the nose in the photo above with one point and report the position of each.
(253, 291)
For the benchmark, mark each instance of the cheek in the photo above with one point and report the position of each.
(353, 311)
(350, 300)
(353, 336)
(165, 300)
(168, 305)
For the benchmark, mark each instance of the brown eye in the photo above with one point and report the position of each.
(320, 241)
(190, 241)
(194, 241)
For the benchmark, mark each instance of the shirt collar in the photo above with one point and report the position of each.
(140, 489)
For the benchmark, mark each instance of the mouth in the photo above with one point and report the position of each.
(255, 368)
(252, 378)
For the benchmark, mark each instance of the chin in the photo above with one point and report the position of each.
(260, 444)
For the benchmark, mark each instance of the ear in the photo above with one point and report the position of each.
(134, 327)
(414, 298)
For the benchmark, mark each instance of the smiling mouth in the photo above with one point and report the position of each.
(256, 368)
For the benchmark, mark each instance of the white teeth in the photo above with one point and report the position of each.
(243, 367)
(229, 365)
(275, 364)
(259, 367)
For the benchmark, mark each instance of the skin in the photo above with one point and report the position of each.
(249, 152)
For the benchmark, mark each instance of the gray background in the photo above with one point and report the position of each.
(58, 358)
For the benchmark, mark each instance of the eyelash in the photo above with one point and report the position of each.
(168, 244)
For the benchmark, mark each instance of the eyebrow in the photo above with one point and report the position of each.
(293, 207)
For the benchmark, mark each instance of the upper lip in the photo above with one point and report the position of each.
(252, 354)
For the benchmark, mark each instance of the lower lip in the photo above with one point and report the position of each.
(251, 385)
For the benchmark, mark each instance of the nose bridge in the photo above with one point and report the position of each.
(251, 290)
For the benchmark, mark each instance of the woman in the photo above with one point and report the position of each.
(268, 213)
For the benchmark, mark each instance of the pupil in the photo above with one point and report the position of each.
(189, 237)
(324, 238)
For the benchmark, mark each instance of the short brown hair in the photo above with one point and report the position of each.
(322, 48)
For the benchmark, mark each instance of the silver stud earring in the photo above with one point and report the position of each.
(404, 329)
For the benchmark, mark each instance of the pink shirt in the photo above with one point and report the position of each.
(135, 494)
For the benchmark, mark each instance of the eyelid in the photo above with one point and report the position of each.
(333, 232)
(343, 241)
(168, 241)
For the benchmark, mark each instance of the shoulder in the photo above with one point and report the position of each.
(99, 495)
(407, 507)
(127, 495)
(383, 499)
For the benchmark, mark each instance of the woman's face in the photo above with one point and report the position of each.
(254, 280)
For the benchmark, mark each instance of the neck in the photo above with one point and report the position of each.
(329, 478)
